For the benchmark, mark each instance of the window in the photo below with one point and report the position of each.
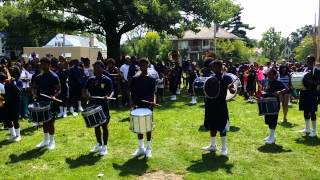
(183, 44)
(205, 43)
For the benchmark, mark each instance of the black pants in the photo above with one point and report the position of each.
(310, 115)
(271, 120)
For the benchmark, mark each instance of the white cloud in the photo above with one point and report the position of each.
(285, 15)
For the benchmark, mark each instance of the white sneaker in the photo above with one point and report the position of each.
(224, 151)
(17, 138)
(42, 144)
(74, 114)
(80, 109)
(51, 145)
(173, 98)
(64, 115)
(305, 130)
(209, 148)
(313, 134)
(178, 91)
(96, 148)
(271, 140)
(103, 150)
(139, 152)
(148, 153)
(60, 115)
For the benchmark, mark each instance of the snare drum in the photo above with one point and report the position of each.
(141, 120)
(268, 106)
(94, 116)
(40, 112)
(296, 79)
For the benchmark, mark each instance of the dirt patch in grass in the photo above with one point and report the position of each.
(159, 175)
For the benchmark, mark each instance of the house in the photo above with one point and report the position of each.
(194, 45)
(72, 46)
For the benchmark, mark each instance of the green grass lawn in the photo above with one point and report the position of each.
(177, 140)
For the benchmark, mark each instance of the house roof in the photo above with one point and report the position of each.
(208, 33)
(75, 41)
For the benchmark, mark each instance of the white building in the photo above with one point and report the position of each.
(61, 40)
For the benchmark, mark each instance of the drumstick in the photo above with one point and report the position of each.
(150, 102)
(100, 97)
(52, 98)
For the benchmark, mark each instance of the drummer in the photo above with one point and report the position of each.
(47, 82)
(142, 88)
(308, 99)
(101, 86)
(216, 110)
(275, 88)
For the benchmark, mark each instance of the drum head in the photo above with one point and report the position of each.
(141, 112)
(212, 87)
(231, 96)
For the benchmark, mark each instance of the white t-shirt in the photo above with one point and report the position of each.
(26, 77)
(124, 69)
(2, 91)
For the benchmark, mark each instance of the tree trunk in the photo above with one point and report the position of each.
(113, 45)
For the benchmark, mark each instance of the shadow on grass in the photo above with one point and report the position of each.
(309, 141)
(127, 119)
(134, 166)
(29, 130)
(29, 155)
(210, 162)
(234, 129)
(83, 160)
(203, 129)
(287, 124)
(273, 148)
(5, 142)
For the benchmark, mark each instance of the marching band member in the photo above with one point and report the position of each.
(142, 88)
(63, 74)
(2, 94)
(308, 102)
(100, 85)
(47, 82)
(216, 110)
(193, 74)
(275, 88)
(76, 75)
(13, 89)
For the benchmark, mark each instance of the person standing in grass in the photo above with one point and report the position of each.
(308, 102)
(143, 87)
(47, 82)
(275, 88)
(13, 91)
(216, 110)
(100, 85)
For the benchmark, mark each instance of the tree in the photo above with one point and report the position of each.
(238, 28)
(297, 36)
(113, 18)
(305, 48)
(270, 44)
(235, 50)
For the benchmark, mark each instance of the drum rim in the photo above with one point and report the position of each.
(95, 108)
(147, 109)
(34, 108)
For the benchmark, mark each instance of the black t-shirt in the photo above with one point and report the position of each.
(274, 86)
(76, 76)
(46, 82)
(142, 88)
(99, 86)
(13, 92)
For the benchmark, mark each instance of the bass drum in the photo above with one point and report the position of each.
(297, 78)
(237, 85)
(212, 87)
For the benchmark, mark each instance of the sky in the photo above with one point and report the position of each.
(285, 15)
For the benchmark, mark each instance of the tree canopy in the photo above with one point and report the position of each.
(113, 18)
(270, 44)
